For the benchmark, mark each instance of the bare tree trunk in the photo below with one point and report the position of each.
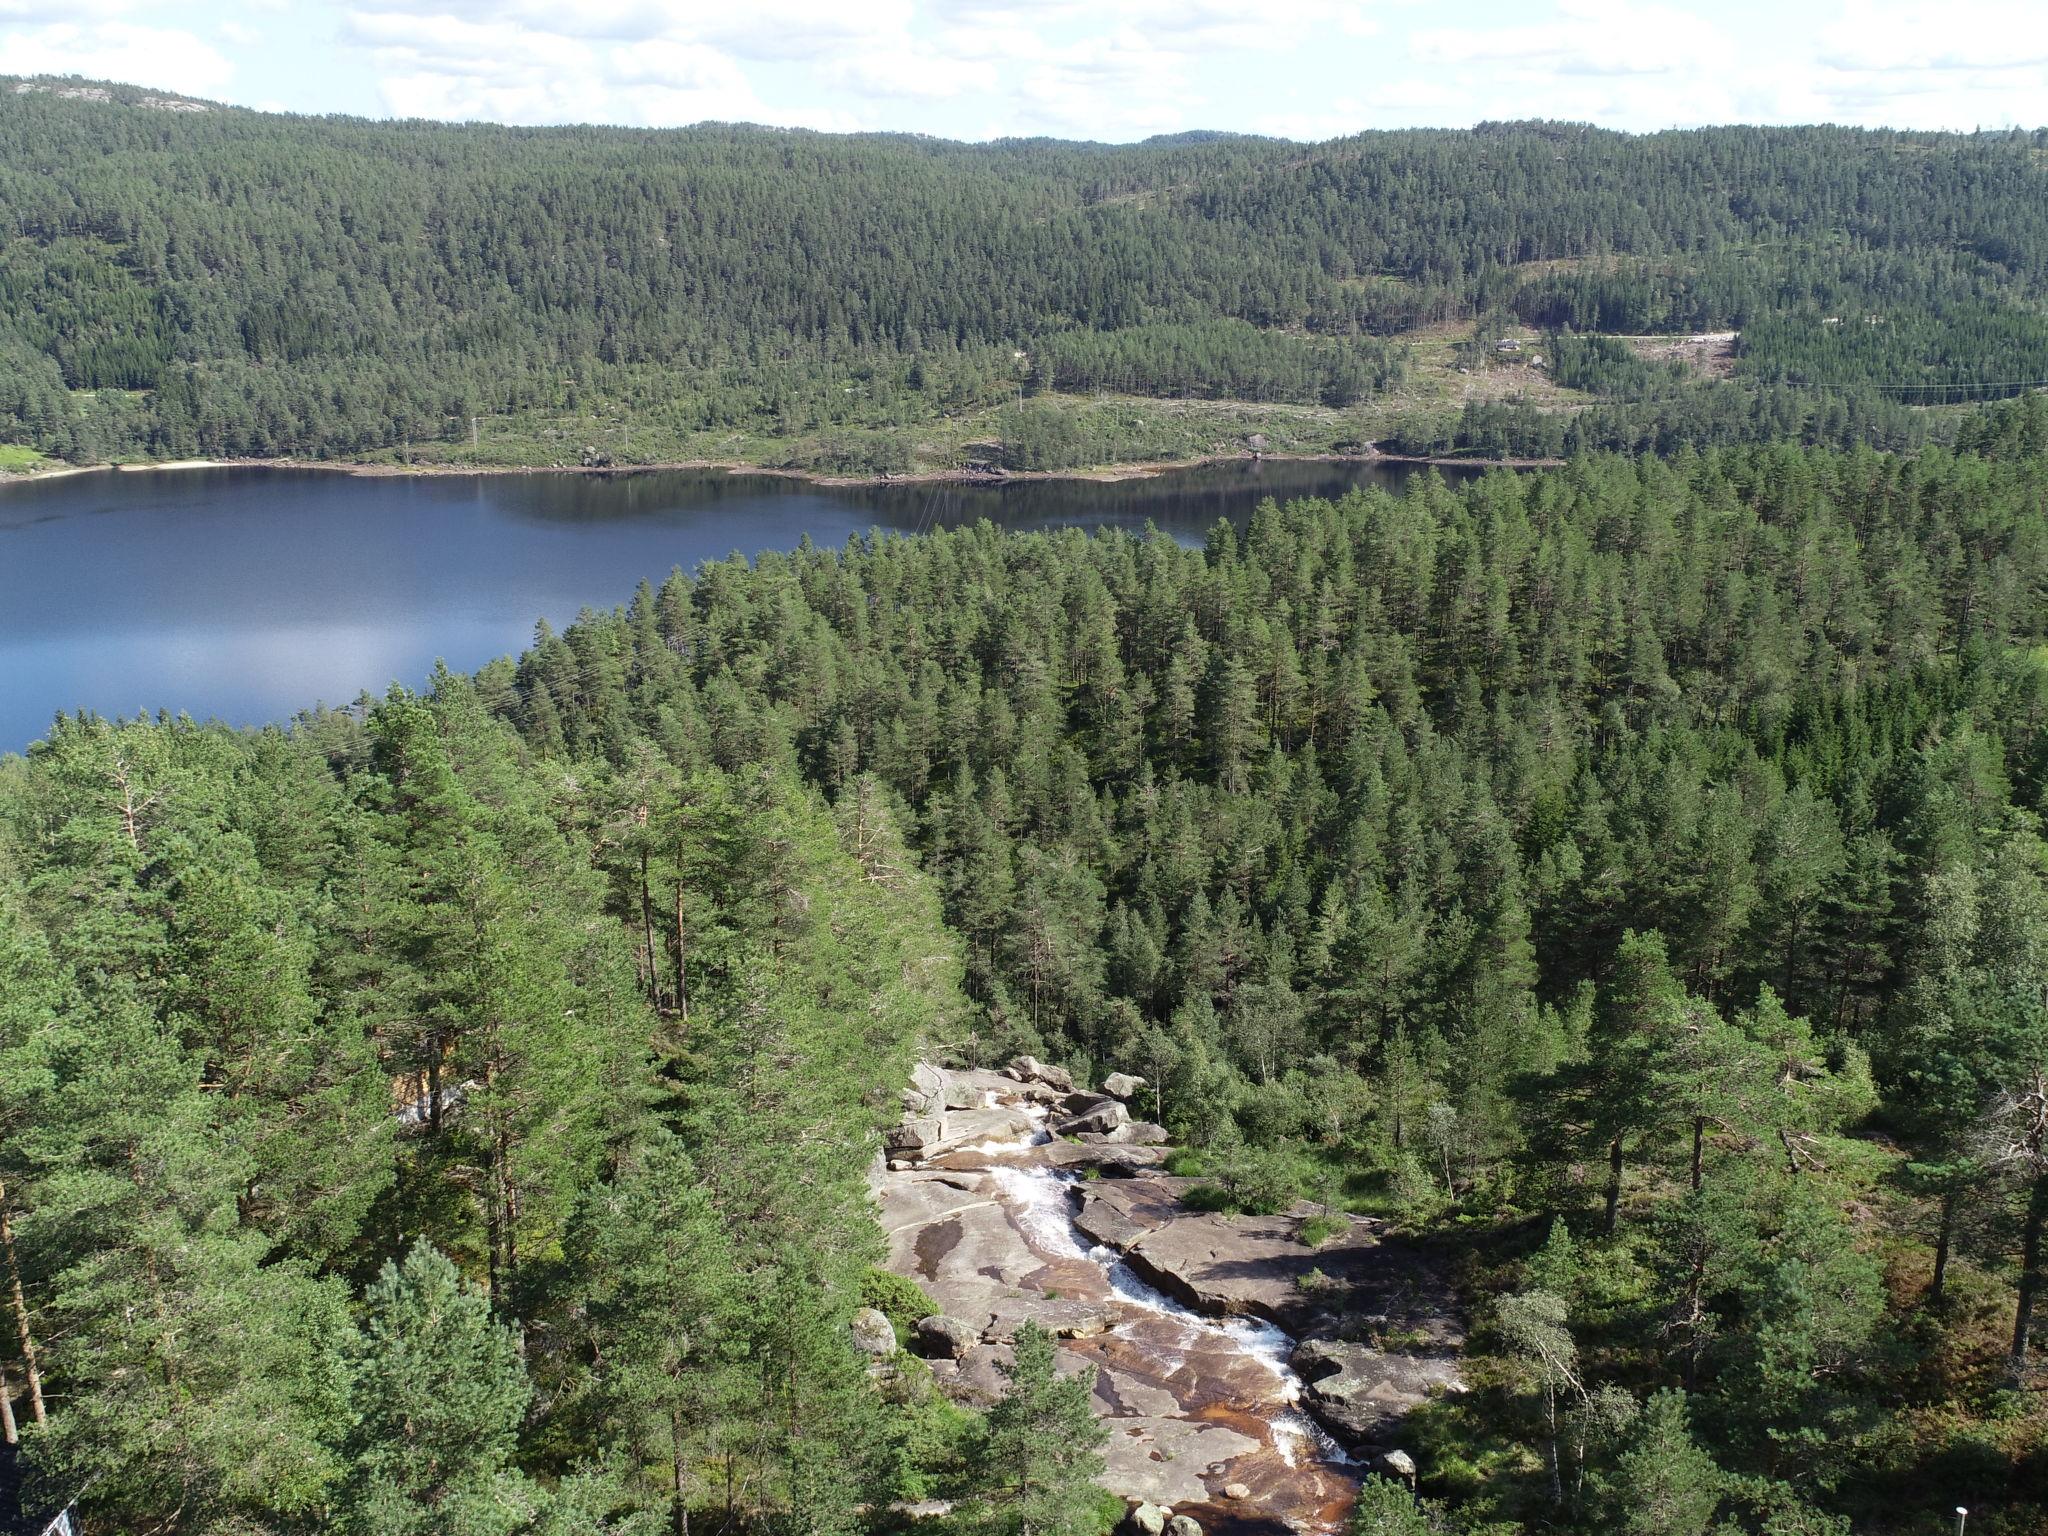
(1943, 1240)
(682, 961)
(2030, 1275)
(434, 1084)
(1556, 1473)
(23, 1333)
(7, 1425)
(1613, 1184)
(647, 926)
(679, 1504)
(1699, 1142)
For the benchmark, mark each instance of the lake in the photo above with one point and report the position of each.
(250, 594)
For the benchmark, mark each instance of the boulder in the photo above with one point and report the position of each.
(926, 1078)
(1121, 1085)
(873, 1334)
(1183, 1525)
(1131, 1133)
(1148, 1520)
(1063, 1318)
(1399, 1464)
(1109, 1160)
(1105, 1117)
(1236, 1491)
(981, 1382)
(1363, 1394)
(946, 1338)
(914, 1135)
(959, 1095)
(1029, 1069)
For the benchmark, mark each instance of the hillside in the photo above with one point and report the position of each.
(231, 283)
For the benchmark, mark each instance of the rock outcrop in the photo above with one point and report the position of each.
(1004, 1221)
(1363, 1392)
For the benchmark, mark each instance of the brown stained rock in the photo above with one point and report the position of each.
(1059, 1316)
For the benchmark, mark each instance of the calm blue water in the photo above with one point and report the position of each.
(250, 594)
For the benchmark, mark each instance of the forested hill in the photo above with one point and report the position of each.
(232, 282)
(450, 1114)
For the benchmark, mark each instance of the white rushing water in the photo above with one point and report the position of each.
(1038, 1199)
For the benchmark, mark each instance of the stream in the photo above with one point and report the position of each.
(1041, 1201)
(1204, 1413)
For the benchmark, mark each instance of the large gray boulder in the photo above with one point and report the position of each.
(1363, 1394)
(1183, 1525)
(960, 1095)
(947, 1338)
(1137, 1133)
(982, 1382)
(1148, 1520)
(1121, 1085)
(1062, 1317)
(873, 1334)
(914, 1135)
(1029, 1069)
(1104, 1116)
(1110, 1160)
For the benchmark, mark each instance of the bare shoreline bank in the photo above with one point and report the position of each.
(1104, 474)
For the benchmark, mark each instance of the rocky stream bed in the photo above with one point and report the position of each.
(1247, 1379)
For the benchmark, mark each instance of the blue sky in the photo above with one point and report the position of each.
(1109, 69)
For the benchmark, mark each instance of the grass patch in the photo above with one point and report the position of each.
(902, 1301)
(18, 459)
(1318, 1230)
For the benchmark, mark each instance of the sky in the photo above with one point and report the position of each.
(1098, 69)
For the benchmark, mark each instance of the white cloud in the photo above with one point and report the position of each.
(1104, 69)
(169, 58)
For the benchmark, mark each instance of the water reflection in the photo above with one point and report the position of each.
(249, 594)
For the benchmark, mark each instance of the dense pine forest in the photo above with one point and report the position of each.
(451, 1114)
(236, 284)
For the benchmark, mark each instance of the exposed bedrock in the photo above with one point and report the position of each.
(1209, 1334)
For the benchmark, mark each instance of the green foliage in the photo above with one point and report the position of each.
(902, 1301)
(163, 299)
(1042, 1454)
(1317, 1230)
(1386, 1507)
(1659, 830)
(1663, 1484)
(440, 1392)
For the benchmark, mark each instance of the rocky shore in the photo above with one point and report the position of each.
(1247, 1379)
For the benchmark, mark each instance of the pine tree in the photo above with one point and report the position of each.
(439, 1392)
(1043, 1450)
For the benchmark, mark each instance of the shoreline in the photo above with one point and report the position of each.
(1100, 474)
